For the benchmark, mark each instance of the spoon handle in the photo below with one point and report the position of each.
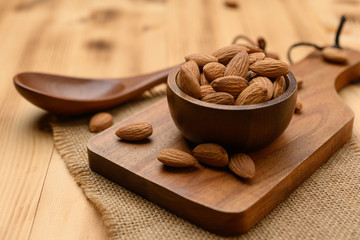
(137, 85)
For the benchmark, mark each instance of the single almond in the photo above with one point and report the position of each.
(213, 71)
(225, 54)
(100, 122)
(253, 94)
(211, 154)
(272, 55)
(251, 47)
(279, 86)
(206, 90)
(267, 83)
(193, 67)
(188, 83)
(233, 85)
(298, 105)
(250, 75)
(334, 55)
(300, 83)
(135, 131)
(176, 158)
(201, 59)
(219, 98)
(242, 165)
(270, 67)
(256, 56)
(203, 80)
(238, 66)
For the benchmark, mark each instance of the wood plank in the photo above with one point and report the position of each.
(56, 37)
(63, 202)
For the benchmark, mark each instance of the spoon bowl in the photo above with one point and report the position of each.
(75, 96)
(243, 128)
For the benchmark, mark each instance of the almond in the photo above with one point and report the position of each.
(100, 122)
(253, 94)
(211, 154)
(279, 86)
(300, 82)
(233, 85)
(201, 59)
(242, 165)
(203, 80)
(193, 67)
(298, 105)
(270, 67)
(272, 55)
(238, 66)
(134, 131)
(213, 71)
(267, 83)
(188, 83)
(206, 90)
(219, 98)
(256, 56)
(334, 55)
(176, 158)
(250, 75)
(225, 54)
(251, 47)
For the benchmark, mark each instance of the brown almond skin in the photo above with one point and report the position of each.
(219, 98)
(201, 59)
(193, 67)
(238, 66)
(279, 86)
(100, 122)
(203, 80)
(188, 83)
(211, 154)
(206, 90)
(250, 75)
(225, 54)
(176, 158)
(267, 83)
(135, 131)
(334, 55)
(251, 47)
(270, 67)
(298, 105)
(213, 71)
(253, 94)
(242, 165)
(233, 85)
(256, 56)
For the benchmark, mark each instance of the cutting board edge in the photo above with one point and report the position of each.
(142, 185)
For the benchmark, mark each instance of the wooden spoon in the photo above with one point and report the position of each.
(74, 96)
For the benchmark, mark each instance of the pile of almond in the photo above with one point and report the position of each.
(210, 154)
(238, 74)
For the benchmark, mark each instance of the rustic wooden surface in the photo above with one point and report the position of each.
(38, 197)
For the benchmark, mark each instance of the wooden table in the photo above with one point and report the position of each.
(38, 197)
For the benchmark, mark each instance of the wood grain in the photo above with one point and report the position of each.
(213, 198)
(113, 39)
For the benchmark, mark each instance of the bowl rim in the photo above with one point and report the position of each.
(171, 82)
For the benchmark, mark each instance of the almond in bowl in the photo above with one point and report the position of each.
(243, 107)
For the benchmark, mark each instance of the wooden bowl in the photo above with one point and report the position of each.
(241, 128)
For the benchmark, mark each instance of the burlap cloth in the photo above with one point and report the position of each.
(325, 206)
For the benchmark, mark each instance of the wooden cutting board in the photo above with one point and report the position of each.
(215, 199)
